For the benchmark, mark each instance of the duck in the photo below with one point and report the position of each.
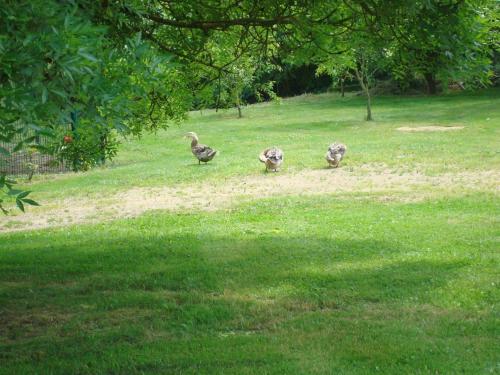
(202, 152)
(335, 154)
(272, 157)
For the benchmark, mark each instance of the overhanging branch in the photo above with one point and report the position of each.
(223, 23)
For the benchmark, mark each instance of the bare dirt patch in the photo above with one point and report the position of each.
(386, 185)
(429, 128)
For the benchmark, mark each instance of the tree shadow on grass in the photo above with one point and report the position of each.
(145, 296)
(85, 268)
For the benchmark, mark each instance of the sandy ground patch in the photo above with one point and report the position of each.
(386, 185)
(429, 128)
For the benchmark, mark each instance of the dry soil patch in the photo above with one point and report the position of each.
(429, 128)
(386, 185)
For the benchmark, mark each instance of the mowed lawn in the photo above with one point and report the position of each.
(358, 282)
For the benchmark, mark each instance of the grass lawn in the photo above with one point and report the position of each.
(399, 279)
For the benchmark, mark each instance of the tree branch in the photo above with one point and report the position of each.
(223, 23)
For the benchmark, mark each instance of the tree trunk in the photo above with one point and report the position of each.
(368, 106)
(217, 103)
(430, 79)
(365, 86)
(103, 143)
(237, 101)
(342, 87)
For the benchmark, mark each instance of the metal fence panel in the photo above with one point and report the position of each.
(29, 160)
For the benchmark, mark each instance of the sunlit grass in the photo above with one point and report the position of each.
(303, 127)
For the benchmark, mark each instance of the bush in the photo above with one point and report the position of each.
(85, 147)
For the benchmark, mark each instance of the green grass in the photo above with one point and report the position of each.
(329, 284)
(303, 127)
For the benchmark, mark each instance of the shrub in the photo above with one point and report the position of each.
(84, 147)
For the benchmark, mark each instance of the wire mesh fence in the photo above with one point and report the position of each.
(29, 160)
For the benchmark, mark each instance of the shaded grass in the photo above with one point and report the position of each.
(298, 285)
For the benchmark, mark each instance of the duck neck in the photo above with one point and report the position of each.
(194, 141)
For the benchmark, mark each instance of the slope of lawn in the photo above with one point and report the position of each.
(351, 283)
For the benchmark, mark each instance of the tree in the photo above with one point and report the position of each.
(440, 41)
(55, 63)
(244, 79)
(360, 54)
(359, 62)
(185, 28)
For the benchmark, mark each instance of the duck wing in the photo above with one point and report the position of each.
(274, 154)
(337, 148)
(203, 152)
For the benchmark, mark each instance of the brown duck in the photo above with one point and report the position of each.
(202, 152)
(335, 154)
(272, 157)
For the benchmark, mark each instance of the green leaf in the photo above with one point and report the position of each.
(4, 151)
(45, 95)
(67, 21)
(29, 139)
(14, 192)
(88, 56)
(23, 194)
(28, 40)
(31, 202)
(122, 127)
(89, 71)
(18, 146)
(42, 148)
(47, 132)
(62, 94)
(34, 127)
(20, 205)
